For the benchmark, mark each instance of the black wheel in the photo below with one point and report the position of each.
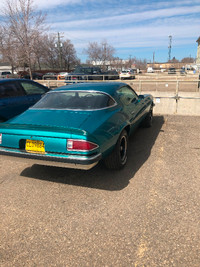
(148, 119)
(118, 157)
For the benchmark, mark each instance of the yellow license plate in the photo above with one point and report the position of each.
(35, 146)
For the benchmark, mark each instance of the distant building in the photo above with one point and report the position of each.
(5, 67)
(198, 51)
(167, 65)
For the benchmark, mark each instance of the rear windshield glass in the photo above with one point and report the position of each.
(5, 73)
(75, 100)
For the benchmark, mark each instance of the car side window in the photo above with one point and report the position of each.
(10, 89)
(127, 95)
(32, 88)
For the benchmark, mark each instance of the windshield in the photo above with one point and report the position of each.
(85, 100)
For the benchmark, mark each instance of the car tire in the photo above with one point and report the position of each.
(147, 122)
(118, 157)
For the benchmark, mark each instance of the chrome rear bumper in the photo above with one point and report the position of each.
(70, 161)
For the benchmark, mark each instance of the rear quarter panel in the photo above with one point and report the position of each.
(106, 128)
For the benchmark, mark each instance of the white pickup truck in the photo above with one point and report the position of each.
(7, 74)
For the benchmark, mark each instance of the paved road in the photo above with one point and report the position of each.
(145, 215)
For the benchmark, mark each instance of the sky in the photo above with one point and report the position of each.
(135, 28)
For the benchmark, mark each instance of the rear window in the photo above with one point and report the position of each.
(5, 72)
(85, 100)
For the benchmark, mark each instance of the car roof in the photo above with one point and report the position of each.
(107, 87)
(14, 79)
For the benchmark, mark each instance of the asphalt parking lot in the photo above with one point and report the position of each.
(147, 214)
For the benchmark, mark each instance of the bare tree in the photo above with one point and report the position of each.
(188, 60)
(8, 47)
(50, 53)
(55, 57)
(117, 63)
(102, 53)
(69, 55)
(173, 60)
(25, 25)
(140, 63)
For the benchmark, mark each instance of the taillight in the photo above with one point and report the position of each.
(0, 138)
(80, 145)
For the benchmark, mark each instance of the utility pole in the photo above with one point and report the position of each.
(59, 45)
(170, 47)
(130, 60)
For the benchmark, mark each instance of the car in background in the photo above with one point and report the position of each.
(4, 74)
(111, 75)
(62, 75)
(126, 74)
(78, 125)
(172, 71)
(35, 76)
(17, 95)
(50, 76)
(150, 70)
(7, 74)
(85, 73)
(162, 70)
(183, 71)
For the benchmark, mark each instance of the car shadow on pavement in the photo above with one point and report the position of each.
(140, 145)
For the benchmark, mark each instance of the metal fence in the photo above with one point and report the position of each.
(140, 86)
(170, 96)
(166, 85)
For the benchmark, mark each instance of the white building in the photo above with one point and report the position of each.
(5, 67)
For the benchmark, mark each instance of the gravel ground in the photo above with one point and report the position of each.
(147, 214)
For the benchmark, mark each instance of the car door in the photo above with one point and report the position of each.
(12, 98)
(33, 92)
(132, 106)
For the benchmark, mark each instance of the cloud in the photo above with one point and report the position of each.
(138, 37)
(153, 34)
(126, 20)
(125, 24)
(48, 3)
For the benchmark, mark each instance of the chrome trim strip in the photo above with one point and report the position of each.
(90, 91)
(75, 162)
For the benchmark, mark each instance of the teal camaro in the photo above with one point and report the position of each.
(78, 125)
